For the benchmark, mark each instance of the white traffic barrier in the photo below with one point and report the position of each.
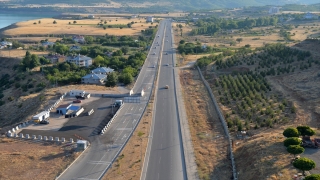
(17, 128)
(50, 138)
(71, 140)
(45, 138)
(21, 135)
(9, 134)
(20, 126)
(15, 135)
(39, 137)
(34, 137)
(27, 136)
(57, 139)
(13, 130)
(9, 131)
(63, 139)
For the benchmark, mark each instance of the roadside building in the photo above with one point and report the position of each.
(103, 70)
(56, 58)
(63, 109)
(75, 48)
(94, 79)
(80, 60)
(78, 39)
(310, 15)
(274, 10)
(5, 43)
(149, 19)
(75, 93)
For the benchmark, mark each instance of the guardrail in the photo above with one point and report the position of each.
(223, 122)
(112, 119)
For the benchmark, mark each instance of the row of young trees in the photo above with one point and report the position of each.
(213, 24)
(248, 97)
(273, 59)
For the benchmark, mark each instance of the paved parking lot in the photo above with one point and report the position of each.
(313, 154)
(82, 126)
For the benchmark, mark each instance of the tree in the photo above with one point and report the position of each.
(291, 132)
(127, 78)
(112, 80)
(125, 50)
(39, 22)
(182, 41)
(54, 22)
(239, 40)
(304, 164)
(295, 149)
(74, 22)
(305, 131)
(313, 177)
(292, 141)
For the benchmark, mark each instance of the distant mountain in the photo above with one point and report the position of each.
(180, 4)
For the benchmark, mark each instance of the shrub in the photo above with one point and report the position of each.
(291, 132)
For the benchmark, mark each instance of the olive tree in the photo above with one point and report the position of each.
(291, 132)
(304, 164)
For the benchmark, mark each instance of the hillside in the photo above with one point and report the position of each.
(173, 4)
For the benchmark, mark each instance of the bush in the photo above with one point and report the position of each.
(291, 132)
(291, 141)
(304, 164)
(295, 149)
(313, 177)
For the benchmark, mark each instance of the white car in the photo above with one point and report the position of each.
(154, 53)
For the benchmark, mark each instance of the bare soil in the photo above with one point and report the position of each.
(30, 160)
(208, 137)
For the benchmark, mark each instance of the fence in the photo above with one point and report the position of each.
(223, 122)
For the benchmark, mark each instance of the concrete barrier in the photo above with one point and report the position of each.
(63, 140)
(50, 138)
(71, 140)
(15, 135)
(13, 130)
(57, 139)
(39, 137)
(21, 135)
(27, 136)
(9, 135)
(45, 138)
(34, 137)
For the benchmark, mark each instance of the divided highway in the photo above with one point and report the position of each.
(166, 159)
(104, 149)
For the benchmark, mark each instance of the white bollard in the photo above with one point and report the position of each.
(13, 130)
(39, 137)
(27, 136)
(57, 139)
(71, 140)
(63, 139)
(9, 131)
(50, 138)
(45, 138)
(17, 128)
(21, 135)
(34, 137)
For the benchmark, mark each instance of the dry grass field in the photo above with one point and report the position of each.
(29, 160)
(82, 27)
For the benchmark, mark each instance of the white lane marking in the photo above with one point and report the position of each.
(158, 175)
(98, 162)
(124, 136)
(159, 160)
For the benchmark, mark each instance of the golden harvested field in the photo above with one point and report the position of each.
(28, 160)
(82, 27)
(19, 53)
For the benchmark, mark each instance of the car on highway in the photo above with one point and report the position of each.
(167, 64)
(77, 101)
(166, 87)
(166, 53)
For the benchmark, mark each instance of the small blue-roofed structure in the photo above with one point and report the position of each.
(62, 109)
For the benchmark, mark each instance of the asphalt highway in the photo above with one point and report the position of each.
(105, 148)
(166, 160)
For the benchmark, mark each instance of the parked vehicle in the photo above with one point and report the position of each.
(80, 97)
(307, 142)
(41, 116)
(44, 121)
(118, 103)
(77, 101)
